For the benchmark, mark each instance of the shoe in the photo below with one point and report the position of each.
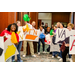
(38, 53)
(52, 56)
(33, 55)
(70, 59)
(44, 52)
(24, 56)
(13, 60)
(60, 59)
(20, 61)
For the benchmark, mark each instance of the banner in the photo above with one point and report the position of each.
(72, 45)
(2, 49)
(61, 34)
(7, 49)
(31, 35)
(48, 39)
(20, 33)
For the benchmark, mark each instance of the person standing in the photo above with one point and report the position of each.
(45, 28)
(41, 39)
(66, 51)
(7, 35)
(30, 42)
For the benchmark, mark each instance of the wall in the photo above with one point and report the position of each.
(7, 18)
(60, 17)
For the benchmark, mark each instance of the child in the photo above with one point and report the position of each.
(7, 33)
(41, 38)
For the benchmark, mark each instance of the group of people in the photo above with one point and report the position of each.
(59, 50)
(43, 30)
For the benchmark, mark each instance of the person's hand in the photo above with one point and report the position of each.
(66, 44)
(25, 32)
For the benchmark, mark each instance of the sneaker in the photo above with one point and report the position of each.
(44, 52)
(52, 56)
(24, 56)
(33, 55)
(60, 59)
(70, 59)
(20, 61)
(38, 53)
(13, 60)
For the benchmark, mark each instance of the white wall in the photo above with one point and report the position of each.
(45, 17)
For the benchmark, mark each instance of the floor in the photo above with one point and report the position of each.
(43, 57)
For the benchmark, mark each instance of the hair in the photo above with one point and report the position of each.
(17, 22)
(40, 26)
(48, 27)
(62, 24)
(33, 21)
(9, 26)
(55, 26)
(70, 24)
(42, 23)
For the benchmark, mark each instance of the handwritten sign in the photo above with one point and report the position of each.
(61, 34)
(48, 39)
(72, 45)
(32, 35)
(20, 33)
(2, 49)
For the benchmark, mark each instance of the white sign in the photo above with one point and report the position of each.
(2, 49)
(48, 39)
(72, 45)
(9, 49)
(20, 33)
(32, 35)
(61, 34)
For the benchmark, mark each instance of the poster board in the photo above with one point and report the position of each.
(72, 45)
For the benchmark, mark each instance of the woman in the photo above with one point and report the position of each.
(41, 39)
(66, 51)
(7, 33)
(54, 46)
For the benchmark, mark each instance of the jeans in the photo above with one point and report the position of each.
(60, 51)
(55, 52)
(19, 46)
(48, 49)
(43, 44)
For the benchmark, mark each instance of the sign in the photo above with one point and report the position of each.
(72, 45)
(2, 49)
(7, 49)
(32, 35)
(61, 34)
(48, 39)
(20, 33)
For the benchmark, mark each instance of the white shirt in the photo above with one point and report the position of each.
(41, 31)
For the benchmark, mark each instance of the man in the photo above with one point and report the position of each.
(46, 25)
(30, 43)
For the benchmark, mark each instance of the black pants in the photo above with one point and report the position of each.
(48, 49)
(43, 44)
(64, 53)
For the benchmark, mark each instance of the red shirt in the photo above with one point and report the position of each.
(8, 33)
